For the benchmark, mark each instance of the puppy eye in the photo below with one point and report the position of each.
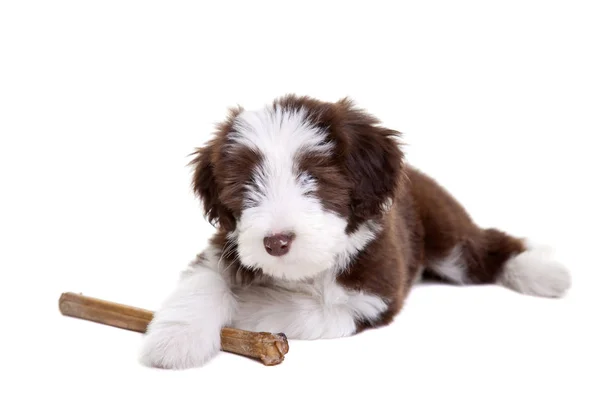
(307, 180)
(251, 194)
(304, 177)
(325, 142)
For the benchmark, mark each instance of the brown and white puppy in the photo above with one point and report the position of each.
(322, 230)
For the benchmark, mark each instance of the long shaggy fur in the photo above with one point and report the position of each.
(361, 226)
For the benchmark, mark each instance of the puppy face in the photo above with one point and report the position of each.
(300, 185)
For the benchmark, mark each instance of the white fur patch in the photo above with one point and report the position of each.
(279, 134)
(535, 272)
(316, 309)
(185, 331)
(355, 242)
(282, 199)
(451, 267)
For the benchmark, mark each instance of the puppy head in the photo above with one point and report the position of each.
(299, 185)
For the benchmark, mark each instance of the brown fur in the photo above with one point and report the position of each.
(220, 175)
(423, 224)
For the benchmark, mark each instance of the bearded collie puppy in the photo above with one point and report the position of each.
(322, 228)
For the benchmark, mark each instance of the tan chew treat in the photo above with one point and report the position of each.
(267, 347)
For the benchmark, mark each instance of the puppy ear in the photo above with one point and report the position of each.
(205, 186)
(373, 160)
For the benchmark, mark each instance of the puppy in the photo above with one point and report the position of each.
(322, 228)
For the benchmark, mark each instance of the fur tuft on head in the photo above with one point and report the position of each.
(311, 171)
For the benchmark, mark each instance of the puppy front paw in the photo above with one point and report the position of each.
(178, 346)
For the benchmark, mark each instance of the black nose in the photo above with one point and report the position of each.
(278, 245)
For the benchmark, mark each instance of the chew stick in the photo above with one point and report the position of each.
(267, 347)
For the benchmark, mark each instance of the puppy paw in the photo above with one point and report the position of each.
(178, 346)
(535, 272)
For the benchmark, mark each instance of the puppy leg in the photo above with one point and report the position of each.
(492, 256)
(457, 250)
(185, 331)
(533, 270)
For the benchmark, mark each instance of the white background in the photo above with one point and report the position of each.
(101, 103)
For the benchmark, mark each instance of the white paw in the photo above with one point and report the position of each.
(535, 272)
(178, 346)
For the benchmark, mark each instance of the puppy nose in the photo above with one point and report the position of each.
(278, 245)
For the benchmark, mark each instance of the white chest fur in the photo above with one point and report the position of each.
(314, 309)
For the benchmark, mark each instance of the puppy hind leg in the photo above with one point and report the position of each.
(492, 256)
(532, 270)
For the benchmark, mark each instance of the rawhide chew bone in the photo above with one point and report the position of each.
(267, 347)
